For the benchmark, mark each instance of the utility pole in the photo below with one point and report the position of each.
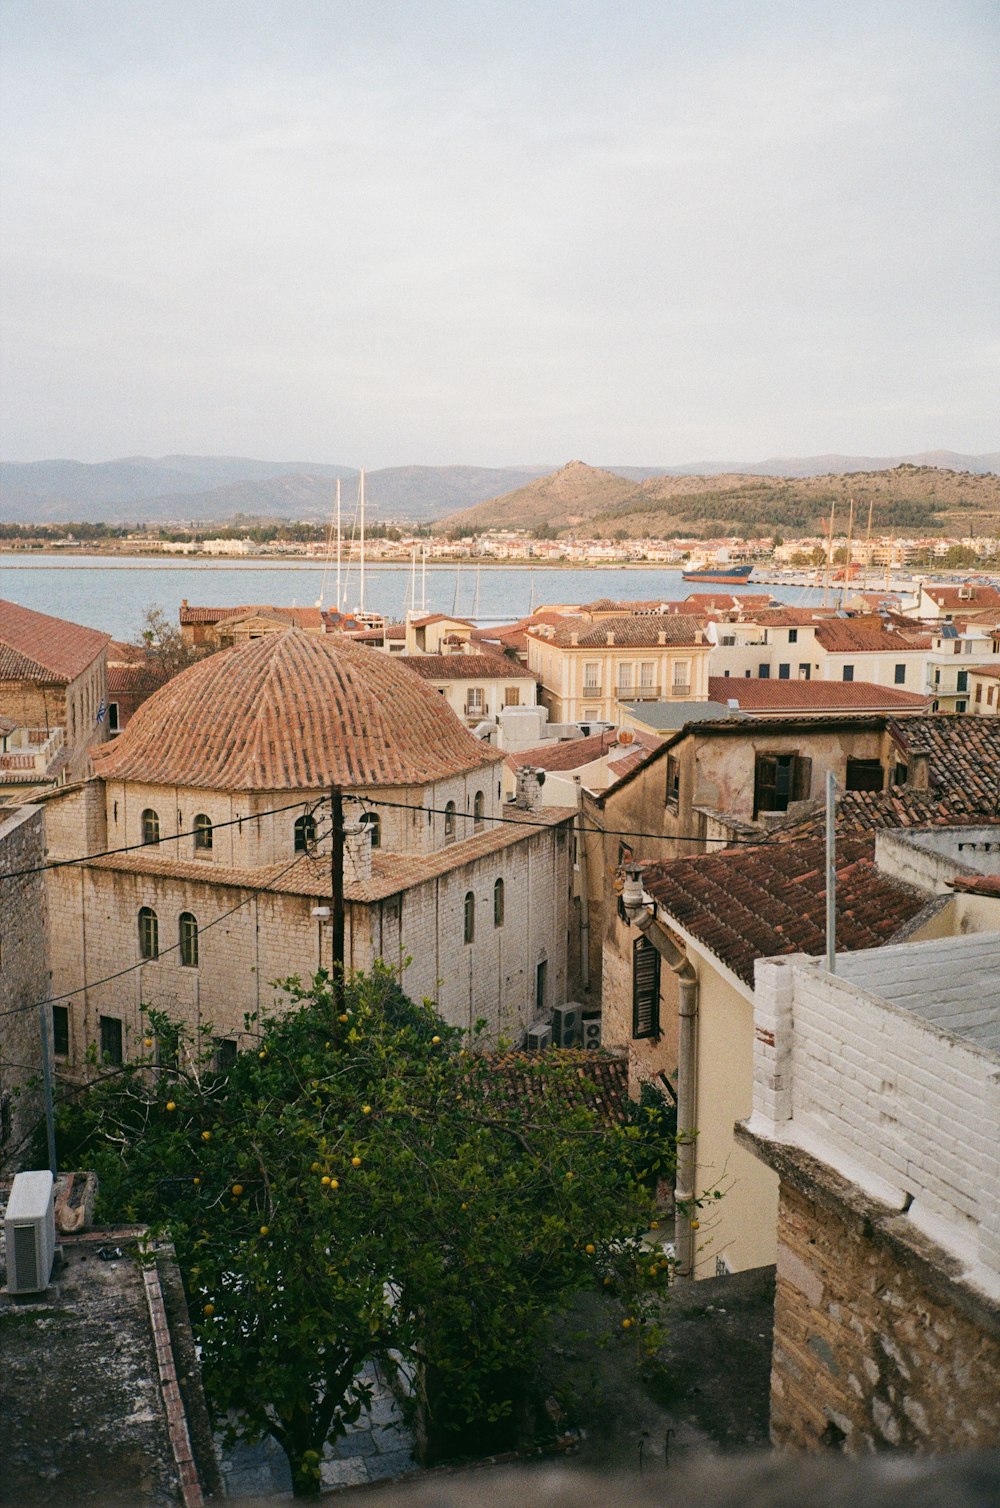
(831, 873)
(337, 891)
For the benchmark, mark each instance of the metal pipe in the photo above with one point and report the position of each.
(831, 875)
(581, 842)
(45, 1028)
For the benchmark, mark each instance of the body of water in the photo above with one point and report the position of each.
(113, 593)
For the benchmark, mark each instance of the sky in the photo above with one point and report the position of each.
(524, 231)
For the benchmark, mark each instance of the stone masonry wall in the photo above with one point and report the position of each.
(865, 1355)
(24, 978)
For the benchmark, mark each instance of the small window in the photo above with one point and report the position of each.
(645, 989)
(202, 833)
(226, 1053)
(6, 1119)
(784, 672)
(793, 636)
(305, 832)
(60, 1030)
(848, 672)
(449, 822)
(150, 826)
(541, 985)
(478, 811)
(113, 723)
(864, 775)
(111, 1039)
(512, 696)
(961, 705)
(763, 672)
(188, 930)
(375, 829)
(498, 904)
(804, 671)
(979, 691)
(962, 683)
(470, 917)
(673, 782)
(899, 675)
(149, 933)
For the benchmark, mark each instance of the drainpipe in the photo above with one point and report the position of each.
(581, 848)
(640, 909)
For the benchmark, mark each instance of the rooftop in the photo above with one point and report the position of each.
(963, 753)
(466, 667)
(770, 899)
(36, 647)
(866, 636)
(588, 1080)
(756, 694)
(626, 633)
(667, 717)
(294, 711)
(574, 753)
(956, 987)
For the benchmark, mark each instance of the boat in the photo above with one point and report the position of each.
(720, 575)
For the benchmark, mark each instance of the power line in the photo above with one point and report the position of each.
(105, 853)
(93, 984)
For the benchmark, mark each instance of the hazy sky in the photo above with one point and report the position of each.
(388, 231)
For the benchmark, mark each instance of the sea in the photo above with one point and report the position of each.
(114, 593)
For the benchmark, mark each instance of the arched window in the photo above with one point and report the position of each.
(478, 811)
(449, 822)
(305, 832)
(150, 826)
(188, 930)
(470, 917)
(149, 933)
(202, 833)
(498, 903)
(375, 828)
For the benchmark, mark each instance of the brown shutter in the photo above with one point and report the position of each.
(645, 989)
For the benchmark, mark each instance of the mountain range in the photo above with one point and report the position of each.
(216, 489)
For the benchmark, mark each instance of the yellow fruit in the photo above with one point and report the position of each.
(209, 1309)
(626, 1324)
(206, 1136)
(334, 1184)
(147, 1042)
(171, 1105)
(366, 1109)
(263, 1230)
(262, 1055)
(464, 1205)
(695, 1224)
(607, 1282)
(314, 1168)
(435, 1040)
(237, 1189)
(325, 1181)
(569, 1175)
(355, 1162)
(197, 1180)
(654, 1224)
(590, 1248)
(343, 1017)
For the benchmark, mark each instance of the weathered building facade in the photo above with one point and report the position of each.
(24, 978)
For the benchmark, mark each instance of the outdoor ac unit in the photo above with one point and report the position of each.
(30, 1232)
(592, 1032)
(539, 1037)
(567, 1024)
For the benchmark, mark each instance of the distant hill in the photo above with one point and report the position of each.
(580, 498)
(217, 489)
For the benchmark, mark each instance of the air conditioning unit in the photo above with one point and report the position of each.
(539, 1037)
(567, 1024)
(592, 1032)
(30, 1232)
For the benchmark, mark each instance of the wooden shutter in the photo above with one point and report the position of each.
(801, 777)
(645, 989)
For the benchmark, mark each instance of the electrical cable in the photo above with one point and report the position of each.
(172, 837)
(93, 984)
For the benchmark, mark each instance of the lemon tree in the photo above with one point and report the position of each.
(360, 1185)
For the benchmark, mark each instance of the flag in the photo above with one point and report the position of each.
(100, 713)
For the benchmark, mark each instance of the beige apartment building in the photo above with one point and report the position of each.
(477, 687)
(53, 697)
(589, 670)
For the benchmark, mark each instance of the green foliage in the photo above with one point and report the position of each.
(360, 1187)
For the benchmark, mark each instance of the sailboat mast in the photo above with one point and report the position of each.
(340, 600)
(423, 583)
(847, 566)
(829, 555)
(868, 547)
(361, 504)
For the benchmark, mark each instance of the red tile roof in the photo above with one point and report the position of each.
(574, 753)
(467, 667)
(646, 632)
(980, 884)
(299, 617)
(588, 1080)
(964, 597)
(771, 695)
(36, 647)
(771, 899)
(441, 618)
(746, 600)
(294, 711)
(993, 671)
(866, 636)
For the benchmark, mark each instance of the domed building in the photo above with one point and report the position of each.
(204, 849)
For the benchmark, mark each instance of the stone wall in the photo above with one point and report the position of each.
(872, 1345)
(24, 979)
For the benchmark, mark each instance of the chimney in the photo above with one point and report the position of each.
(574, 639)
(661, 638)
(918, 770)
(529, 788)
(611, 640)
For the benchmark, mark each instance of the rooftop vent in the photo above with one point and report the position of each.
(733, 704)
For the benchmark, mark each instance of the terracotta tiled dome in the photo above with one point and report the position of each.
(293, 711)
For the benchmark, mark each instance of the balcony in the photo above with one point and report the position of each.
(595, 690)
(638, 694)
(680, 689)
(29, 753)
(476, 710)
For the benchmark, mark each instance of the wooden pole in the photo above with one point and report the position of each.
(337, 892)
